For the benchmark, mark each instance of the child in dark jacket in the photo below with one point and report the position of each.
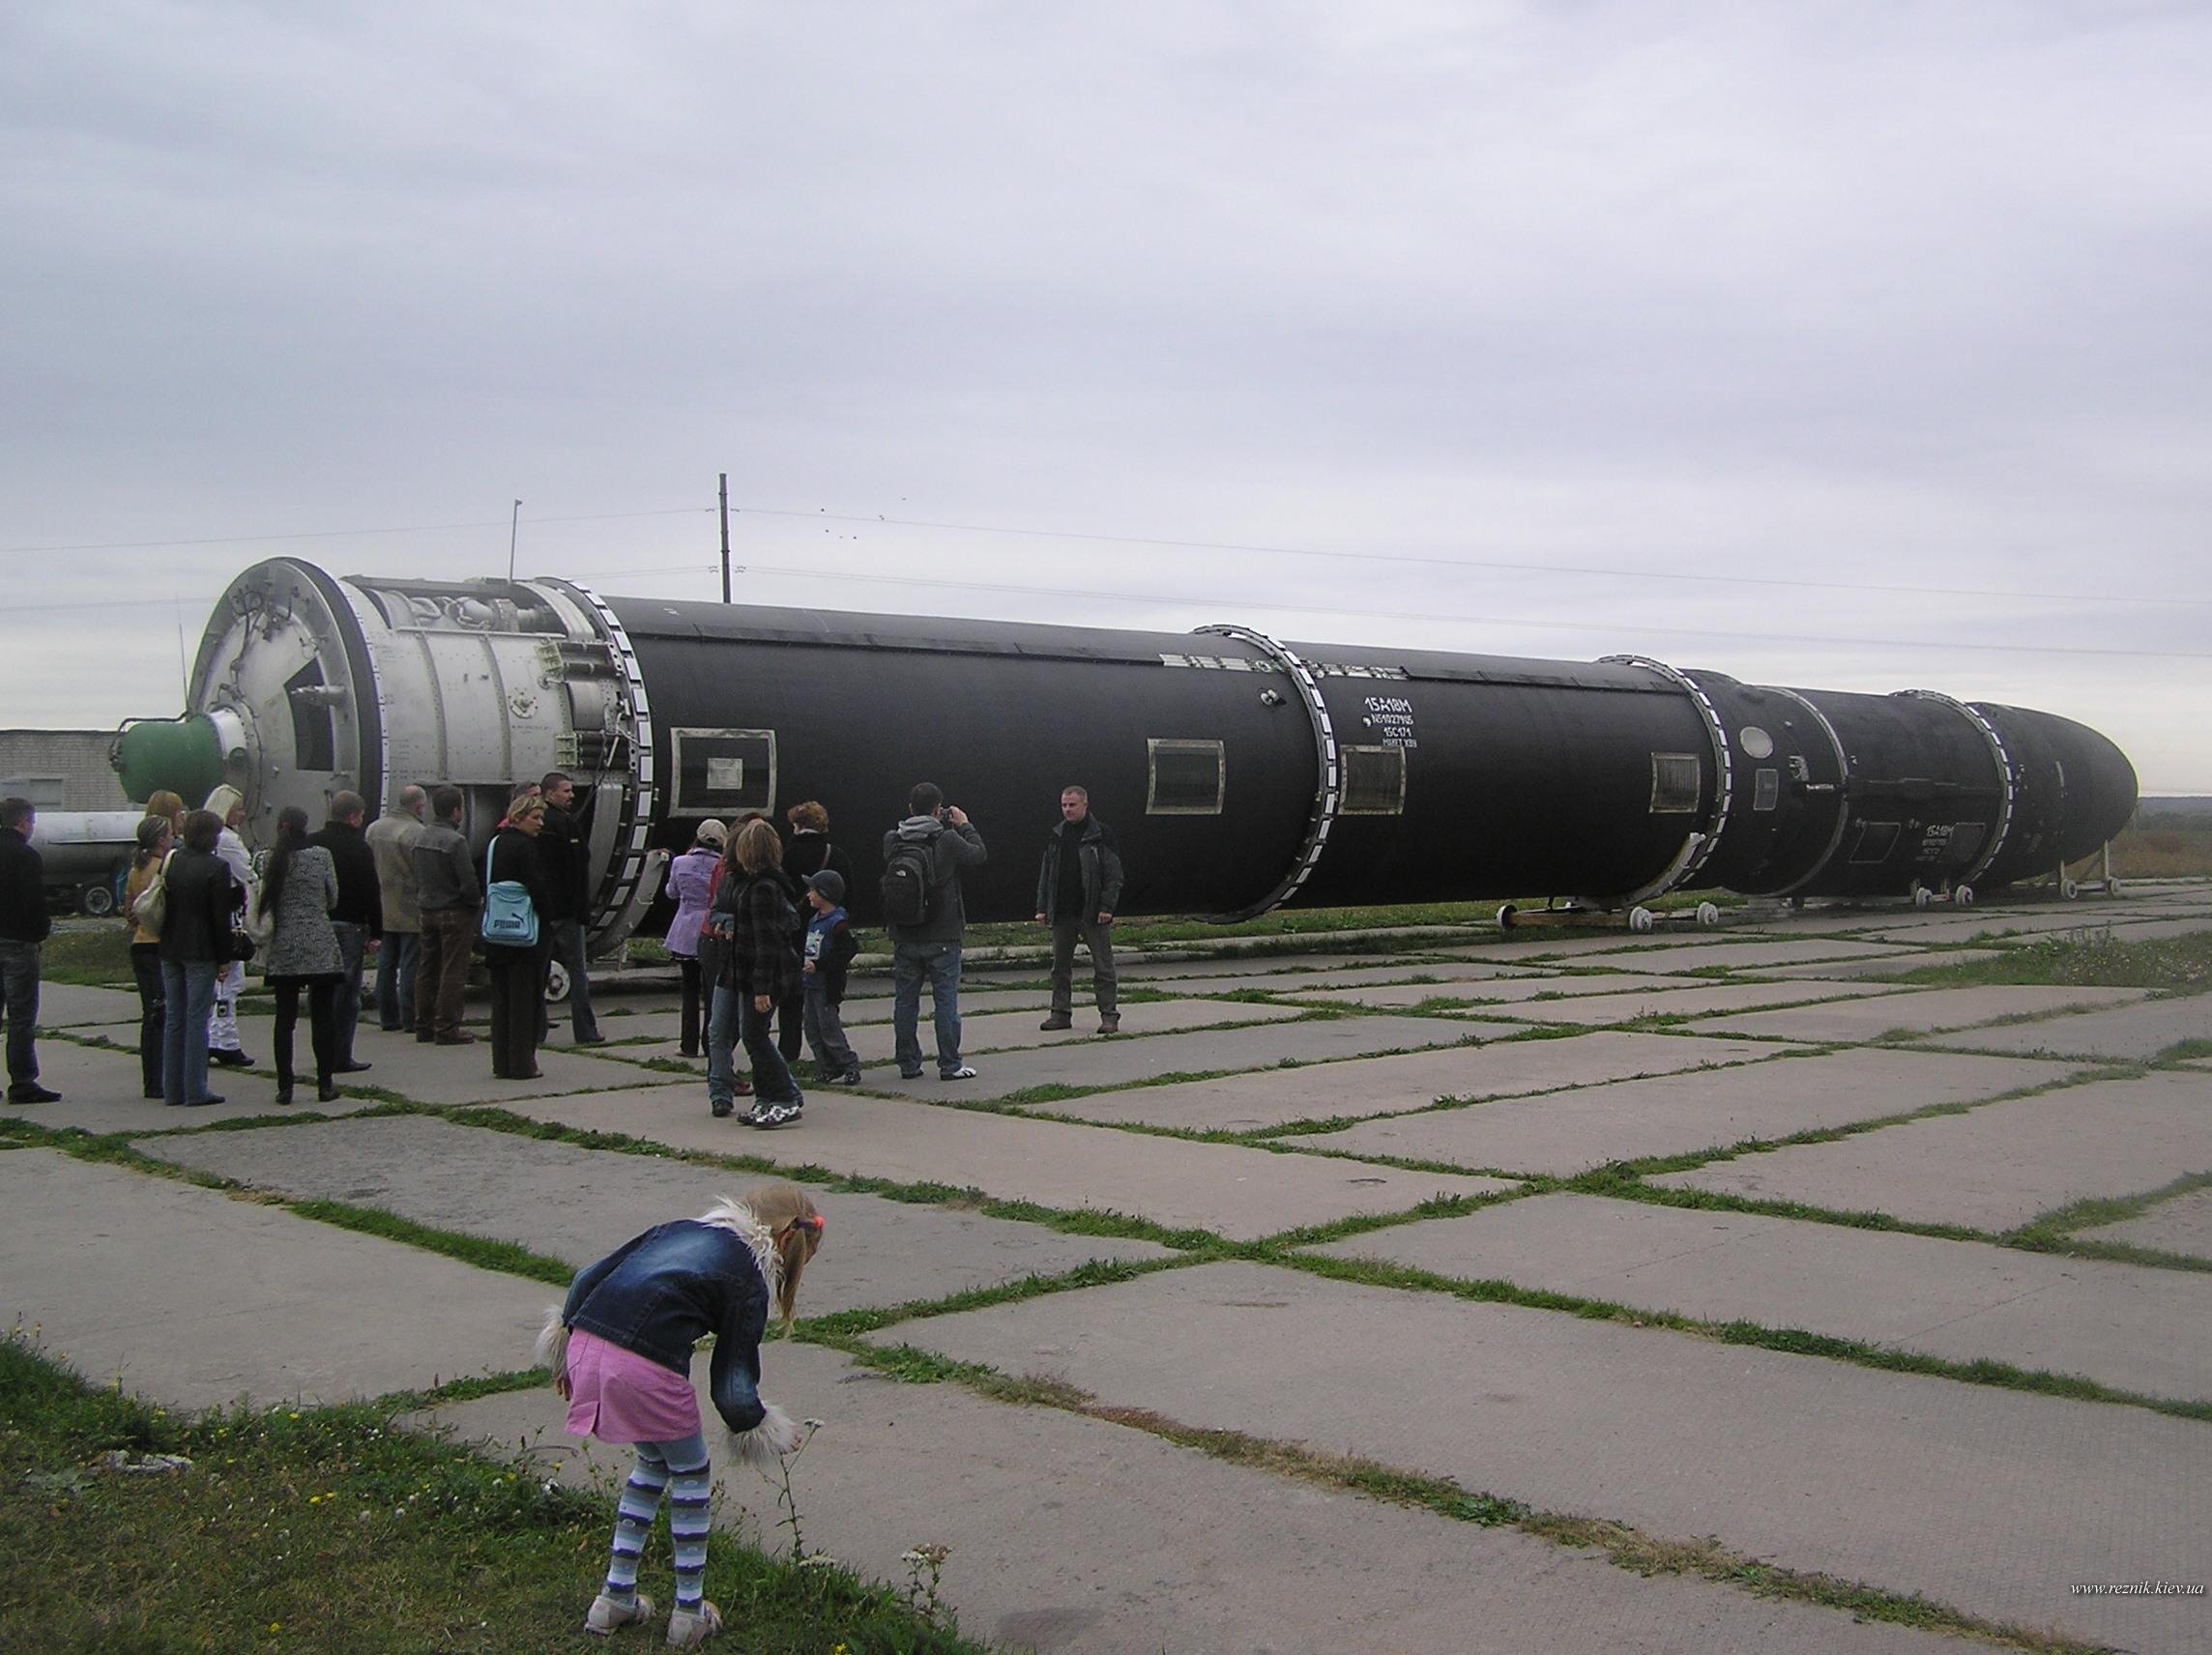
(829, 949)
(620, 1350)
(755, 924)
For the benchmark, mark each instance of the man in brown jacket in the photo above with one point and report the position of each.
(449, 895)
(391, 840)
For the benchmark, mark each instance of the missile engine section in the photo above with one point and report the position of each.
(1240, 771)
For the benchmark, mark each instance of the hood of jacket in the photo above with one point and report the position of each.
(921, 828)
(734, 1216)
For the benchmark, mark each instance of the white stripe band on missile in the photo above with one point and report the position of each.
(1700, 844)
(633, 894)
(1329, 792)
(1843, 794)
(2007, 776)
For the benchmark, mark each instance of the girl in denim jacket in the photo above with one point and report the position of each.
(620, 1350)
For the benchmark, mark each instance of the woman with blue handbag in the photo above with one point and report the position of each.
(515, 891)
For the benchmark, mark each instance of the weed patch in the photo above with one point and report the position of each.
(2092, 957)
(333, 1529)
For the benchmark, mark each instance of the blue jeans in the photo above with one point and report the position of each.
(345, 1008)
(565, 942)
(397, 962)
(734, 1018)
(826, 1031)
(20, 990)
(188, 993)
(940, 962)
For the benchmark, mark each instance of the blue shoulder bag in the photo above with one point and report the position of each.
(509, 920)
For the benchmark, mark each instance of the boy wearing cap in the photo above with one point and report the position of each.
(829, 949)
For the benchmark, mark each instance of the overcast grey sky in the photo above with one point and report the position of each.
(1884, 294)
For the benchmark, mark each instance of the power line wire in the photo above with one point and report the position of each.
(337, 534)
(1093, 596)
(1584, 625)
(1090, 594)
(166, 602)
(1470, 562)
(1692, 577)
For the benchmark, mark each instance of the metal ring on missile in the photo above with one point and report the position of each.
(1842, 798)
(633, 894)
(1328, 795)
(2007, 776)
(1699, 844)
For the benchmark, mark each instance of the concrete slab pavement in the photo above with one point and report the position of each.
(864, 1009)
(1072, 1536)
(667, 1025)
(1411, 1080)
(1308, 983)
(1120, 1061)
(874, 1044)
(103, 1091)
(1880, 967)
(578, 1205)
(1561, 1134)
(1240, 1193)
(1993, 1168)
(1910, 1483)
(196, 1299)
(1497, 990)
(1539, 946)
(2127, 1327)
(1684, 955)
(2033, 927)
(1680, 999)
(65, 1005)
(2182, 1224)
(427, 1073)
(1018, 1031)
(1917, 1011)
(2122, 1033)
(2161, 930)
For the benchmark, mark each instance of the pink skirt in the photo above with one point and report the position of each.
(619, 1396)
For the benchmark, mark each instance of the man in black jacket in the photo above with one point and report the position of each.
(24, 931)
(357, 915)
(942, 839)
(1078, 888)
(567, 861)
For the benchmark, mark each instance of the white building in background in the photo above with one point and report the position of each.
(60, 770)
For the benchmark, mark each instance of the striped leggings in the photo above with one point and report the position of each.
(678, 1469)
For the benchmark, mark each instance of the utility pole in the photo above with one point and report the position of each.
(726, 536)
(514, 525)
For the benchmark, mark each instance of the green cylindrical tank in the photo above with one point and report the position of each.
(183, 755)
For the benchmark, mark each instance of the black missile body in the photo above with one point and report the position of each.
(1238, 771)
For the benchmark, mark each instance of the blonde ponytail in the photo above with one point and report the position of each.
(795, 1225)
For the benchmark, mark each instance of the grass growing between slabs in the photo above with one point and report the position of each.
(1622, 1545)
(2094, 957)
(92, 953)
(330, 1529)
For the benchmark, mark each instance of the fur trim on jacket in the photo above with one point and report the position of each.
(734, 1216)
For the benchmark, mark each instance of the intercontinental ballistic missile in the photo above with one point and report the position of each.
(1240, 771)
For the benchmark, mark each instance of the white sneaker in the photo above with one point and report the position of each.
(608, 1614)
(686, 1630)
(963, 1073)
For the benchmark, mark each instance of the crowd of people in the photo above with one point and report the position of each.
(762, 938)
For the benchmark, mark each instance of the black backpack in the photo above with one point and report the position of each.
(909, 885)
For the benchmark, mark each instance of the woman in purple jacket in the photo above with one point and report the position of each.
(692, 882)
